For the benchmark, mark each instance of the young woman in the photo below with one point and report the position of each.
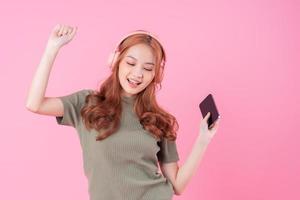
(124, 134)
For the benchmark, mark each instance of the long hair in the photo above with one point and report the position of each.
(103, 108)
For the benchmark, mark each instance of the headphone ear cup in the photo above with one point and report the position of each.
(112, 59)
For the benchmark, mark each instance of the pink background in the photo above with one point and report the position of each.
(246, 53)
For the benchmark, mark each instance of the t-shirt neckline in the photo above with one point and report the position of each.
(128, 99)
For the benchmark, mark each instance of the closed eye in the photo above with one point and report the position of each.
(131, 64)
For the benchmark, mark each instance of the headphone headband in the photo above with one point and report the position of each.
(137, 32)
(115, 53)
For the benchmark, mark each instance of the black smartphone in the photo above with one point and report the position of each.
(208, 105)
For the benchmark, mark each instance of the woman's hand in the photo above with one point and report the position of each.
(206, 134)
(61, 35)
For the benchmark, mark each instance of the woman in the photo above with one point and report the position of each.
(124, 134)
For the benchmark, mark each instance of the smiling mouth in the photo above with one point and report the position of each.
(134, 83)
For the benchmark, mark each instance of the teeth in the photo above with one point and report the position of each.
(132, 81)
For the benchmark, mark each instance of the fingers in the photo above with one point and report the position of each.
(73, 32)
(56, 28)
(60, 30)
(207, 116)
(65, 30)
(215, 125)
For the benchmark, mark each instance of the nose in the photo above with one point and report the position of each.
(137, 72)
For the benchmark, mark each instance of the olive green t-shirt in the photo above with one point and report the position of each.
(123, 166)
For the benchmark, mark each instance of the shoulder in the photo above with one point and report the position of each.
(85, 92)
(79, 97)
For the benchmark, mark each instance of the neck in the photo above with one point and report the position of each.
(128, 99)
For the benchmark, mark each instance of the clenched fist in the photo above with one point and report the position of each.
(61, 35)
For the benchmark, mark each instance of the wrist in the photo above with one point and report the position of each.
(204, 142)
(52, 49)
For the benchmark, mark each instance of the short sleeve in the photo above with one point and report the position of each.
(168, 151)
(72, 105)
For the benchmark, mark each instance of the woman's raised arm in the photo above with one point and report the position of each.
(36, 100)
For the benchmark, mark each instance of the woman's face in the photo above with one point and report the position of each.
(136, 69)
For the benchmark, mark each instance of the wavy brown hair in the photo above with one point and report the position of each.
(103, 108)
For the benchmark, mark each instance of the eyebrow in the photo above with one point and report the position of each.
(150, 63)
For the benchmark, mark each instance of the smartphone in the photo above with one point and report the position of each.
(208, 105)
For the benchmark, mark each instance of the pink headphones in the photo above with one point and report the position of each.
(114, 55)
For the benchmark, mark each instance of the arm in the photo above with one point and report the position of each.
(36, 100)
(180, 176)
(40, 80)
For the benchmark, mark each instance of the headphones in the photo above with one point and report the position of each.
(114, 55)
